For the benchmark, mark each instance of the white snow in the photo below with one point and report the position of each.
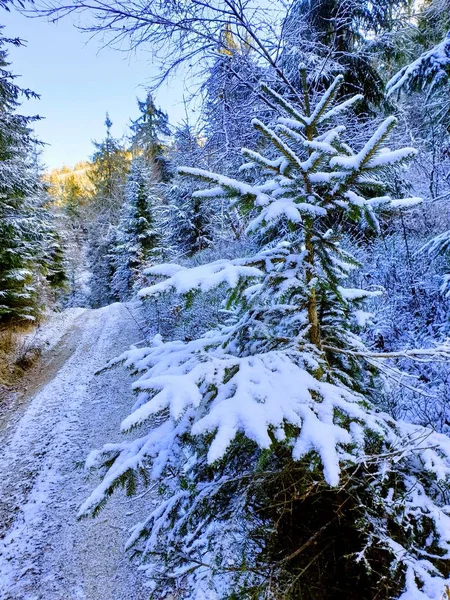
(46, 554)
(390, 157)
(52, 328)
(406, 202)
(203, 277)
(333, 112)
(355, 162)
(227, 183)
(433, 61)
(357, 294)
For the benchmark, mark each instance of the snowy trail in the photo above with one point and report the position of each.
(45, 552)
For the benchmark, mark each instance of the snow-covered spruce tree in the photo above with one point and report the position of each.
(232, 99)
(190, 222)
(107, 175)
(108, 172)
(26, 232)
(278, 477)
(357, 39)
(101, 264)
(148, 133)
(137, 237)
(431, 70)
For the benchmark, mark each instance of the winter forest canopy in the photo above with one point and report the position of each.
(287, 258)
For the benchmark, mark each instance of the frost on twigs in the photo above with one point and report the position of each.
(440, 245)
(261, 433)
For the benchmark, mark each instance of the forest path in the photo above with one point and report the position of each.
(45, 553)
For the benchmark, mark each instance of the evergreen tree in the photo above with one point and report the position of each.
(108, 173)
(278, 476)
(189, 221)
(50, 258)
(148, 132)
(433, 22)
(102, 243)
(72, 196)
(56, 271)
(231, 101)
(353, 38)
(137, 238)
(25, 232)
(430, 72)
(109, 170)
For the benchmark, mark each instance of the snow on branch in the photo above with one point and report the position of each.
(320, 108)
(336, 110)
(288, 372)
(438, 245)
(255, 395)
(299, 118)
(229, 185)
(370, 156)
(431, 68)
(278, 142)
(436, 353)
(202, 278)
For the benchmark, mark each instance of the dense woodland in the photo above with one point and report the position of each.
(290, 248)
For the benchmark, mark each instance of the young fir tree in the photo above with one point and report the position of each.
(51, 258)
(278, 476)
(102, 243)
(54, 258)
(72, 196)
(137, 237)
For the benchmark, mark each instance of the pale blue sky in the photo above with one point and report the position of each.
(78, 83)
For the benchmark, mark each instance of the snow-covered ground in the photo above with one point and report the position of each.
(45, 553)
(49, 334)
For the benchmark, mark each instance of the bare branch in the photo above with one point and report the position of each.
(436, 354)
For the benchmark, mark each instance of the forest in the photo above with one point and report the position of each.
(255, 363)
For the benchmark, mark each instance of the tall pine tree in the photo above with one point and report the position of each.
(109, 170)
(108, 174)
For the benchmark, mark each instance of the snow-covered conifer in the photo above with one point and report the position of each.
(278, 476)
(430, 70)
(108, 172)
(354, 38)
(148, 133)
(189, 222)
(26, 233)
(137, 237)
